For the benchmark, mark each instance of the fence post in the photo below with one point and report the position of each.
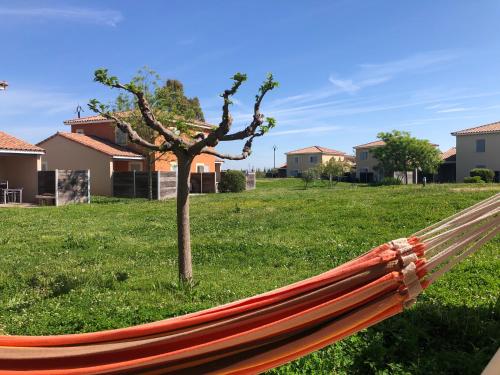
(133, 174)
(158, 191)
(88, 185)
(56, 187)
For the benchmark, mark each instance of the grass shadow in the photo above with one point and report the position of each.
(432, 339)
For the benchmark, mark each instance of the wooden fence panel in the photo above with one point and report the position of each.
(123, 185)
(72, 187)
(203, 183)
(250, 181)
(46, 182)
(135, 184)
(64, 186)
(167, 184)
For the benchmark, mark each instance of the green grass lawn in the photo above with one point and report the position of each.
(114, 263)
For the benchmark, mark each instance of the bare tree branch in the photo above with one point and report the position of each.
(101, 75)
(133, 135)
(213, 138)
(245, 153)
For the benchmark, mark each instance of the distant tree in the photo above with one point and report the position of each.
(186, 143)
(334, 168)
(402, 152)
(309, 176)
(172, 99)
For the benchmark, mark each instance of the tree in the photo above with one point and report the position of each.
(402, 152)
(171, 98)
(185, 142)
(334, 168)
(308, 176)
(168, 99)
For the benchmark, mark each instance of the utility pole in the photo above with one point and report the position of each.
(274, 161)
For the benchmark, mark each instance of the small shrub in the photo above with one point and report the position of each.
(309, 176)
(232, 182)
(485, 174)
(474, 180)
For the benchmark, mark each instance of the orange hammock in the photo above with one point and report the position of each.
(261, 332)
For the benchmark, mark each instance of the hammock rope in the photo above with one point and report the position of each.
(261, 332)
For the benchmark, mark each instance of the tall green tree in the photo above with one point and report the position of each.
(402, 152)
(186, 143)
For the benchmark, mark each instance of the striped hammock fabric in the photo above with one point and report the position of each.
(261, 332)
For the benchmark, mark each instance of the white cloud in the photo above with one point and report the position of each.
(345, 85)
(451, 110)
(44, 101)
(305, 131)
(98, 16)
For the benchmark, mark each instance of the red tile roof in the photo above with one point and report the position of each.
(99, 118)
(378, 144)
(10, 143)
(371, 144)
(494, 127)
(97, 144)
(449, 153)
(316, 150)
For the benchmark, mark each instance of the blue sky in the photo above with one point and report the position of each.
(347, 69)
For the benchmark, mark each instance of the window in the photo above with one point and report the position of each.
(480, 145)
(363, 155)
(120, 137)
(202, 168)
(135, 166)
(313, 159)
(80, 131)
(173, 166)
(296, 160)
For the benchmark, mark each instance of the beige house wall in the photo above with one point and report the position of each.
(62, 153)
(367, 165)
(468, 158)
(299, 163)
(21, 171)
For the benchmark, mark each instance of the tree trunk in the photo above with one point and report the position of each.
(183, 226)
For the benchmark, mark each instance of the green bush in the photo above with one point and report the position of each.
(232, 182)
(387, 181)
(484, 173)
(474, 180)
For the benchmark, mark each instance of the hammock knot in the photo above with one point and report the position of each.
(411, 281)
(401, 245)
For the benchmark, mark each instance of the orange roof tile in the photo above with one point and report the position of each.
(494, 127)
(98, 144)
(371, 144)
(98, 118)
(449, 153)
(10, 143)
(316, 150)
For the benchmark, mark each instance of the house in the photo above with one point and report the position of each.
(447, 169)
(75, 151)
(367, 169)
(19, 165)
(478, 147)
(298, 161)
(96, 143)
